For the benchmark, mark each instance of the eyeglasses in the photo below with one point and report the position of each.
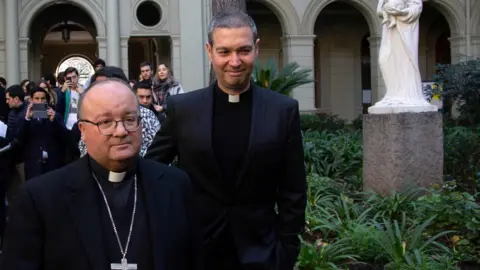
(108, 127)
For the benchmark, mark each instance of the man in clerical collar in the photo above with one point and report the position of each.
(242, 147)
(110, 209)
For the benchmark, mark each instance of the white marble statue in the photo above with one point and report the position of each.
(392, 5)
(398, 58)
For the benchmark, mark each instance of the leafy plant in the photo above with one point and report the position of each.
(321, 255)
(393, 207)
(454, 211)
(283, 81)
(461, 83)
(333, 154)
(321, 122)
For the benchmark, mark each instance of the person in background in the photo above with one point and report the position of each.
(51, 80)
(132, 82)
(15, 95)
(146, 71)
(42, 140)
(164, 86)
(69, 96)
(99, 63)
(24, 84)
(145, 97)
(3, 106)
(4, 181)
(3, 82)
(51, 92)
(60, 81)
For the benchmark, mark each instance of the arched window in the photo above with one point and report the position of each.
(82, 64)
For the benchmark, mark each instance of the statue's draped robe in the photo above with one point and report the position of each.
(398, 59)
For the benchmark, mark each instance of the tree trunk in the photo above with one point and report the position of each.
(221, 6)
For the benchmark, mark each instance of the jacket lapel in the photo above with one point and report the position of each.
(85, 214)
(256, 122)
(204, 128)
(157, 197)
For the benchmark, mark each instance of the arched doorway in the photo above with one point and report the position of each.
(341, 57)
(59, 30)
(434, 45)
(81, 63)
(269, 30)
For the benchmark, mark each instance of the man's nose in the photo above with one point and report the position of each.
(235, 60)
(120, 130)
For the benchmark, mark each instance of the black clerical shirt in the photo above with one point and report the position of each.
(120, 197)
(231, 131)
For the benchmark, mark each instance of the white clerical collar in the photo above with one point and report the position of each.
(233, 98)
(116, 177)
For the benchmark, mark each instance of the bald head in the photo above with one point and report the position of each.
(102, 107)
(104, 91)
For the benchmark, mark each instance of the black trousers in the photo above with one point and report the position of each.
(220, 252)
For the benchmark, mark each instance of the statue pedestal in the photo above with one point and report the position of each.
(402, 150)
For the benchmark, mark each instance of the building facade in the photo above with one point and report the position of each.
(338, 40)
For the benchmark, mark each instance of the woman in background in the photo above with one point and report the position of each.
(53, 95)
(164, 86)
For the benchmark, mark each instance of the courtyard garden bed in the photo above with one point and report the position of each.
(346, 228)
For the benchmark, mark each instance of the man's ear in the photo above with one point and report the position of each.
(208, 47)
(257, 47)
(82, 129)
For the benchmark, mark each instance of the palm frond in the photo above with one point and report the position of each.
(283, 81)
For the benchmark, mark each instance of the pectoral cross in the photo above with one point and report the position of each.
(124, 265)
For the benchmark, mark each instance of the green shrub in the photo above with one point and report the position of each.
(338, 210)
(322, 122)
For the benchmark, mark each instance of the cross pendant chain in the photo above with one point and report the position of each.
(123, 266)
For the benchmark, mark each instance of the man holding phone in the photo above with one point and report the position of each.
(42, 132)
(68, 99)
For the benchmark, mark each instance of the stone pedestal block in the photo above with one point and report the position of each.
(402, 150)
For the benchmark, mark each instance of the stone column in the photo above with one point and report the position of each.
(124, 54)
(176, 57)
(378, 86)
(24, 44)
(192, 48)
(299, 48)
(475, 39)
(113, 33)
(2, 59)
(207, 17)
(457, 45)
(12, 51)
(102, 48)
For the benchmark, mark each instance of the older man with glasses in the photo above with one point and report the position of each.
(110, 209)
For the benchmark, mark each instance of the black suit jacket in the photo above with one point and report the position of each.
(273, 173)
(55, 225)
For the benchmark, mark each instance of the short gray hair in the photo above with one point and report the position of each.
(231, 19)
(96, 83)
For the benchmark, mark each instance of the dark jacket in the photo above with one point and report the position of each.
(38, 135)
(13, 131)
(3, 106)
(273, 173)
(14, 120)
(55, 224)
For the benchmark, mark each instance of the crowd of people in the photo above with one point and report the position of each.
(88, 177)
